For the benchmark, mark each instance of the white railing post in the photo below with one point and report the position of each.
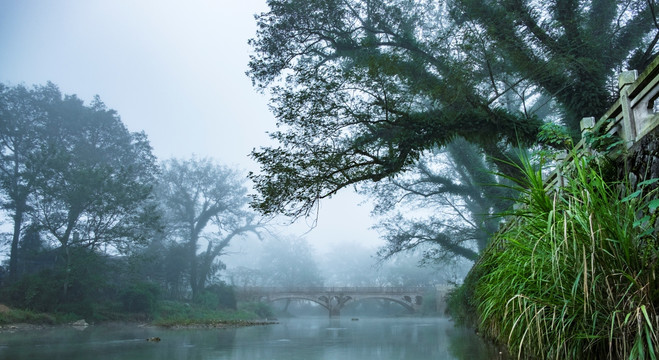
(560, 165)
(587, 125)
(625, 79)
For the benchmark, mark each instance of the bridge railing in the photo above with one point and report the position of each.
(343, 290)
(634, 115)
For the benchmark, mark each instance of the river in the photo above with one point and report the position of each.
(290, 339)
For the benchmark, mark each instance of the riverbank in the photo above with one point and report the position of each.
(169, 315)
(25, 327)
(13, 317)
(219, 324)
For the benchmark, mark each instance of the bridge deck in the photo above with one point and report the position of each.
(334, 298)
(333, 290)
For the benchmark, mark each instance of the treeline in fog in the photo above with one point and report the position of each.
(95, 224)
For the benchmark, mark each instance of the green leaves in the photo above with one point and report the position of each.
(653, 205)
(645, 197)
(83, 171)
(203, 201)
(360, 90)
(632, 196)
(575, 275)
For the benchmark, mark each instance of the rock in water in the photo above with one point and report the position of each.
(81, 323)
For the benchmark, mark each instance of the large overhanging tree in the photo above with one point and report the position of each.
(459, 195)
(361, 88)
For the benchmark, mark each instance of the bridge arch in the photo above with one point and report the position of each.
(295, 297)
(334, 299)
(407, 304)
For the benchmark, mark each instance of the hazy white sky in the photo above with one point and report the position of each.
(174, 69)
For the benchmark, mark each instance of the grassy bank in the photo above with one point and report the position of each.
(166, 314)
(173, 314)
(575, 276)
(14, 316)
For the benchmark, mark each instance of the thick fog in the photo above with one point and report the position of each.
(173, 70)
(177, 73)
(298, 262)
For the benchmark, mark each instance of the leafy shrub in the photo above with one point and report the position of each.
(74, 288)
(218, 296)
(140, 297)
(13, 316)
(207, 299)
(262, 310)
(37, 292)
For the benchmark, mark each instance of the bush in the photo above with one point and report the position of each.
(12, 316)
(76, 289)
(218, 296)
(260, 309)
(140, 297)
(207, 300)
(40, 292)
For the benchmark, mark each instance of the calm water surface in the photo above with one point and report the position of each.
(294, 339)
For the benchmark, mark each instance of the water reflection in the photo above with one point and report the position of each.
(306, 338)
(465, 344)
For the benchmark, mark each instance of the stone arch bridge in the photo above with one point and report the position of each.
(334, 298)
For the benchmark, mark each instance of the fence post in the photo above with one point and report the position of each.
(587, 125)
(560, 165)
(625, 79)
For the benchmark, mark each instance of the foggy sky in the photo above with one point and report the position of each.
(173, 69)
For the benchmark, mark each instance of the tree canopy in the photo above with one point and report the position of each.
(73, 170)
(361, 89)
(446, 206)
(99, 178)
(204, 204)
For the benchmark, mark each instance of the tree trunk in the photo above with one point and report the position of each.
(67, 271)
(13, 255)
(193, 271)
(73, 216)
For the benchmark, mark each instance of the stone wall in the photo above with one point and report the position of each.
(642, 161)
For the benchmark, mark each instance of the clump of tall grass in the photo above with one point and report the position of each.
(171, 314)
(576, 275)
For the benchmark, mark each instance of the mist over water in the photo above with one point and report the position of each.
(291, 339)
